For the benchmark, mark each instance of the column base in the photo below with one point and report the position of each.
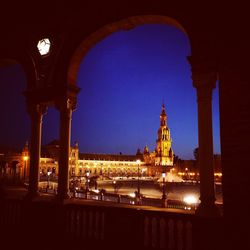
(61, 197)
(208, 210)
(31, 196)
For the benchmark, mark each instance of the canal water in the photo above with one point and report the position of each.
(153, 189)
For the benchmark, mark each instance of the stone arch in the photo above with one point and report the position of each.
(124, 24)
(27, 64)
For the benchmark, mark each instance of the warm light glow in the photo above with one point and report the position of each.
(218, 174)
(163, 175)
(138, 161)
(26, 157)
(190, 199)
(44, 46)
(132, 195)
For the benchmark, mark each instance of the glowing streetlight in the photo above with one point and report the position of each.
(164, 196)
(190, 199)
(138, 182)
(186, 173)
(25, 158)
(114, 183)
(48, 174)
(43, 46)
(87, 185)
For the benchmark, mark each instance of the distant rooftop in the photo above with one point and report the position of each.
(109, 157)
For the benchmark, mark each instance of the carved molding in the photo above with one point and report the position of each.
(36, 111)
(66, 104)
(204, 73)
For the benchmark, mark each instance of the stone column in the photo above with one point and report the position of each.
(36, 112)
(204, 80)
(65, 107)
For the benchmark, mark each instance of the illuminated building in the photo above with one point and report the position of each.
(111, 165)
(108, 165)
(164, 153)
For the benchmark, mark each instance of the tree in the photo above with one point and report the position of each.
(176, 159)
(196, 154)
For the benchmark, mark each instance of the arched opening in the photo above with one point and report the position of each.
(138, 78)
(15, 122)
(74, 65)
(125, 24)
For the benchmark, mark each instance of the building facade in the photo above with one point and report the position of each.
(111, 165)
(144, 163)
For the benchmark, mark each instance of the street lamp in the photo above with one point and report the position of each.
(164, 196)
(48, 174)
(25, 158)
(138, 182)
(114, 183)
(87, 185)
(186, 173)
(74, 186)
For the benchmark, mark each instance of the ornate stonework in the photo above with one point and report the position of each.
(164, 153)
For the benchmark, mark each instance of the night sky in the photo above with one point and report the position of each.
(123, 79)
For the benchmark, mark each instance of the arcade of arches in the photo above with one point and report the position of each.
(216, 55)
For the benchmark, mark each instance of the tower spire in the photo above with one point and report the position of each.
(163, 116)
(163, 148)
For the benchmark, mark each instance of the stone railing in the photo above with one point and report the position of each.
(94, 225)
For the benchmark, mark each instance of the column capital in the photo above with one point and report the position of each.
(36, 109)
(204, 73)
(64, 104)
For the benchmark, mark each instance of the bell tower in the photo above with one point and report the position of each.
(164, 152)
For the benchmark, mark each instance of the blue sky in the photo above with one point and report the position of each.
(123, 79)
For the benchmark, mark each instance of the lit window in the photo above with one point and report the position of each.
(44, 46)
